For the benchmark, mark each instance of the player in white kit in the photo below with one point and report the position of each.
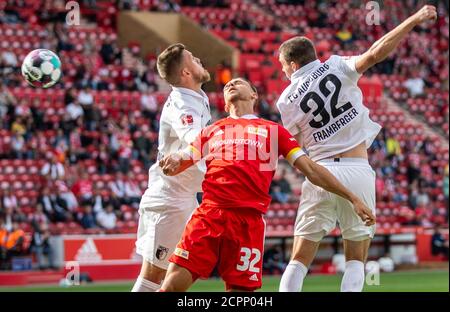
(168, 202)
(323, 108)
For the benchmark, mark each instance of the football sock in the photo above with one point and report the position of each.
(293, 276)
(143, 285)
(353, 279)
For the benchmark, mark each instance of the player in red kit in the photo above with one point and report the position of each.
(227, 229)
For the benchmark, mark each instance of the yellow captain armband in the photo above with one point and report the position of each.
(295, 153)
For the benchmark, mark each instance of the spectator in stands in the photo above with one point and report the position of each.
(6, 100)
(344, 35)
(75, 111)
(149, 105)
(10, 59)
(54, 205)
(87, 217)
(423, 199)
(223, 75)
(11, 215)
(273, 260)
(108, 51)
(439, 245)
(393, 146)
(133, 192)
(40, 247)
(280, 188)
(86, 100)
(19, 126)
(415, 84)
(3, 240)
(143, 145)
(125, 152)
(53, 170)
(8, 200)
(106, 218)
(102, 159)
(38, 217)
(66, 194)
(82, 188)
(15, 240)
(118, 188)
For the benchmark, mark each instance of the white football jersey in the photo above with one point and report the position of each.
(325, 105)
(184, 115)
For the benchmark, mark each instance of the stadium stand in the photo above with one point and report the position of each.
(102, 120)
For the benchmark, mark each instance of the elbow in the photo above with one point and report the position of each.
(374, 56)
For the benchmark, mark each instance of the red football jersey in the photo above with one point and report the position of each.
(241, 158)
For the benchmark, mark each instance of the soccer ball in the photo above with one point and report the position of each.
(41, 68)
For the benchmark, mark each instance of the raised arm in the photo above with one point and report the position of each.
(320, 176)
(389, 42)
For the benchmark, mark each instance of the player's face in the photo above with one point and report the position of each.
(195, 68)
(285, 67)
(238, 90)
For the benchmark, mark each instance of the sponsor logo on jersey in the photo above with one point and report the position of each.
(161, 252)
(254, 277)
(258, 131)
(187, 120)
(182, 253)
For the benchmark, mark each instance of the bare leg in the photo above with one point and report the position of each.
(355, 255)
(149, 279)
(303, 254)
(177, 279)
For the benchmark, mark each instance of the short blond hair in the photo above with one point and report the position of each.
(299, 50)
(169, 63)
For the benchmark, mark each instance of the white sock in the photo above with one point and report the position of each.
(353, 279)
(293, 276)
(143, 285)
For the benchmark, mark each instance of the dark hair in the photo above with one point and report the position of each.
(250, 83)
(299, 50)
(169, 63)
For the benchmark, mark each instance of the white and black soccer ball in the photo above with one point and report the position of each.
(41, 68)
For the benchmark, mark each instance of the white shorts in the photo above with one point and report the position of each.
(319, 210)
(160, 229)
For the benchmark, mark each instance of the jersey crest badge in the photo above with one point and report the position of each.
(187, 120)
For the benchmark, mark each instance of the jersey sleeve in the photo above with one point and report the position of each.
(347, 64)
(187, 122)
(288, 146)
(198, 148)
(289, 113)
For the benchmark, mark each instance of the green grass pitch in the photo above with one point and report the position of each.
(406, 281)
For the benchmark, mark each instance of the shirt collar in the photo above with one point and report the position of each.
(247, 116)
(299, 72)
(186, 91)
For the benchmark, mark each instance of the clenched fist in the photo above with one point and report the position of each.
(426, 13)
(170, 164)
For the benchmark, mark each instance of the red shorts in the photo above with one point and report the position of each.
(232, 239)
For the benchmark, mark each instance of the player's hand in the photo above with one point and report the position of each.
(170, 164)
(364, 212)
(426, 13)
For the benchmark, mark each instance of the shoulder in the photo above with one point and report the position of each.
(261, 121)
(180, 101)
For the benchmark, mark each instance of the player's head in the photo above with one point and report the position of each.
(179, 67)
(240, 91)
(295, 53)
